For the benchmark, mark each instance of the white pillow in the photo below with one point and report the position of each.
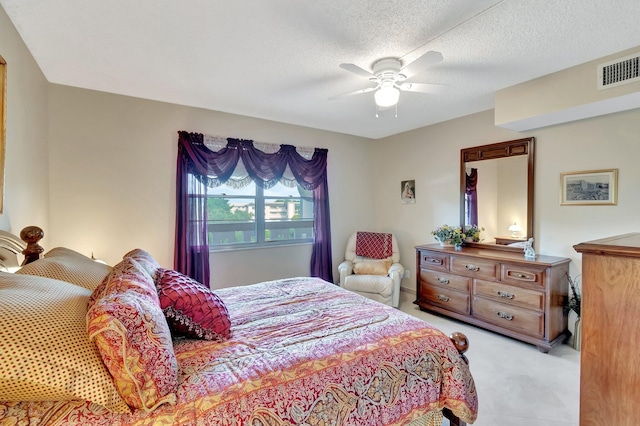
(367, 266)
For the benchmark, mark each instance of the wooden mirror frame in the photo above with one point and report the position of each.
(491, 152)
(3, 121)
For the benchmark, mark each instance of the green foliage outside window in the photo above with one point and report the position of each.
(220, 209)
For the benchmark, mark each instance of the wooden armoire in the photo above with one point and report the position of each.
(609, 367)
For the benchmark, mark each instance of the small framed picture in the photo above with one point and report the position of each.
(408, 191)
(589, 188)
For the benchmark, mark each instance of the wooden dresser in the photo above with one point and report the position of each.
(497, 290)
(609, 371)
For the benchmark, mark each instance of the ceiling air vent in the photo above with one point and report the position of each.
(620, 71)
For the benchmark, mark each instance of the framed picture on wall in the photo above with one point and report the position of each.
(589, 188)
(408, 191)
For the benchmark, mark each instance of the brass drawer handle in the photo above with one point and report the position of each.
(505, 294)
(520, 275)
(432, 260)
(443, 280)
(473, 268)
(504, 315)
(443, 298)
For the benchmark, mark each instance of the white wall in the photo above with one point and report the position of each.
(112, 180)
(26, 194)
(605, 142)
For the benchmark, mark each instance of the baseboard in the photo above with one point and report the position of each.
(408, 290)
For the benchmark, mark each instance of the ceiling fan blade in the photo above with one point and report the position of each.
(357, 70)
(423, 87)
(422, 62)
(356, 92)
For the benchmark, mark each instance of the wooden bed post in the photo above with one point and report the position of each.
(32, 235)
(461, 343)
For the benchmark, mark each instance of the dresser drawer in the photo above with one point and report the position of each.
(445, 298)
(523, 275)
(434, 260)
(455, 282)
(512, 317)
(509, 295)
(475, 268)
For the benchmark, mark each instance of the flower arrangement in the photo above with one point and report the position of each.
(453, 234)
(575, 298)
(473, 232)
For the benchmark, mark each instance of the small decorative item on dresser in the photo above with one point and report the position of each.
(472, 233)
(529, 252)
(449, 235)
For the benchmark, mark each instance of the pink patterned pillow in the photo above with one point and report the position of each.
(192, 309)
(134, 341)
(145, 260)
(128, 275)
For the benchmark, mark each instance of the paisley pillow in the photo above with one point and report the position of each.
(134, 340)
(192, 309)
(145, 259)
(128, 275)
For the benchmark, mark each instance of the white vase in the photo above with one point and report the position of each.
(446, 243)
(577, 334)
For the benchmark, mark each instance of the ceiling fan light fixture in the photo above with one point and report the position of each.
(387, 96)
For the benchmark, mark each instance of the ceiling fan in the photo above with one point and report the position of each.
(389, 76)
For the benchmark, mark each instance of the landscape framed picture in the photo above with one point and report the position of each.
(589, 188)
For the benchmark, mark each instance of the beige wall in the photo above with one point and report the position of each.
(112, 180)
(26, 194)
(609, 141)
(512, 194)
(564, 96)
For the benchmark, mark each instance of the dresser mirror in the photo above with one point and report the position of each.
(499, 177)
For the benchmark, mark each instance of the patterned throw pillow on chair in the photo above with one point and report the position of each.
(192, 309)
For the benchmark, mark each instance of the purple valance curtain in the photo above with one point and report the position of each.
(198, 166)
(472, 196)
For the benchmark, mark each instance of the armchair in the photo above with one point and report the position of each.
(374, 278)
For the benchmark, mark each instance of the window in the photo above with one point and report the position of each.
(252, 216)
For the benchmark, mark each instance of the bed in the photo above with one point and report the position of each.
(297, 351)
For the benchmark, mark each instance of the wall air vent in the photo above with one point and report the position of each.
(618, 72)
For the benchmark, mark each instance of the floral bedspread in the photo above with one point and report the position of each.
(302, 352)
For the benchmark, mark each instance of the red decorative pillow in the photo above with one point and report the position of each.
(376, 245)
(192, 309)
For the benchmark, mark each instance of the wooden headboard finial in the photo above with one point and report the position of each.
(32, 235)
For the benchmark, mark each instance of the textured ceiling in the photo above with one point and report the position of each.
(279, 59)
